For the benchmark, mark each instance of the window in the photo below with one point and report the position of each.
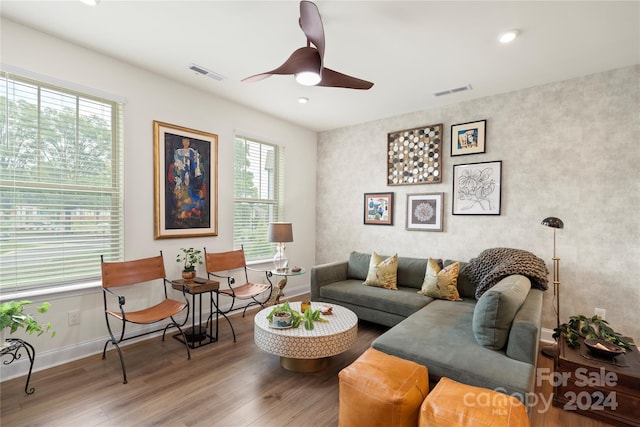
(258, 193)
(61, 184)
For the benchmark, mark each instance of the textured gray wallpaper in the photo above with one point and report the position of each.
(569, 149)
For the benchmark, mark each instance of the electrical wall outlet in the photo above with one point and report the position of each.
(73, 317)
(601, 313)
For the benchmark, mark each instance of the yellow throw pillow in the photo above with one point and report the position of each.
(441, 283)
(383, 272)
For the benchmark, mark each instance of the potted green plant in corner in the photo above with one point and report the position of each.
(13, 317)
(190, 257)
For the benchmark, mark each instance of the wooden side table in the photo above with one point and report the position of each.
(604, 389)
(199, 335)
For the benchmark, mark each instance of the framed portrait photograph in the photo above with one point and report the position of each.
(185, 167)
(468, 138)
(414, 156)
(378, 208)
(424, 211)
(477, 188)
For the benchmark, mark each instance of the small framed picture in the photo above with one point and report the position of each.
(477, 188)
(424, 211)
(378, 208)
(468, 138)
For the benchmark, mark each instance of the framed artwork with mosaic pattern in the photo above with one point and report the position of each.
(424, 211)
(414, 156)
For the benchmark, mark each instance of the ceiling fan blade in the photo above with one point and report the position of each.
(311, 25)
(331, 78)
(303, 59)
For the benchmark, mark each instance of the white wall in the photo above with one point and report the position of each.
(152, 97)
(568, 149)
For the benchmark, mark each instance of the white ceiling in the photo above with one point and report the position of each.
(409, 49)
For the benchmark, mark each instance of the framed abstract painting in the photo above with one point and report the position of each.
(185, 167)
(378, 208)
(414, 156)
(424, 211)
(468, 138)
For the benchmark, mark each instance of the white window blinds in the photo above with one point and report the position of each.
(61, 181)
(258, 193)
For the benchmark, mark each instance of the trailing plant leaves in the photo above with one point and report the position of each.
(590, 327)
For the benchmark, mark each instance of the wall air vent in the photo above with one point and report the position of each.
(201, 70)
(452, 91)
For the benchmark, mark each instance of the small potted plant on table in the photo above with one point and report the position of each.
(191, 257)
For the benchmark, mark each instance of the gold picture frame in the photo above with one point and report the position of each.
(185, 168)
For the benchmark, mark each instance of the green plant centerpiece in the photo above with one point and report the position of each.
(190, 257)
(308, 317)
(590, 327)
(13, 317)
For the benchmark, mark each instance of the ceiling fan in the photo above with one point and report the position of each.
(307, 63)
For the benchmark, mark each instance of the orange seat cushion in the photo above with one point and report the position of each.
(454, 404)
(378, 389)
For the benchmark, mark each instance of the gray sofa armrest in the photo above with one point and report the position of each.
(524, 336)
(324, 274)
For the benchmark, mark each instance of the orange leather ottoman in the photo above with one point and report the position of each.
(381, 390)
(453, 404)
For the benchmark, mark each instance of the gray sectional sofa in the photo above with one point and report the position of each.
(462, 340)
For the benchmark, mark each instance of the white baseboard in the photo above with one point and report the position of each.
(60, 356)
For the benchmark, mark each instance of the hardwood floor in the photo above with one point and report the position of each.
(224, 384)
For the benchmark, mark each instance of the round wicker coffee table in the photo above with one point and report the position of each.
(301, 350)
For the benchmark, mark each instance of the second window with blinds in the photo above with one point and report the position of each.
(258, 195)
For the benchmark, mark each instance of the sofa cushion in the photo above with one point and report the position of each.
(358, 265)
(403, 302)
(439, 336)
(466, 289)
(495, 310)
(383, 272)
(440, 282)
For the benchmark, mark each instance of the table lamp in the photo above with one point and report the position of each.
(552, 351)
(280, 233)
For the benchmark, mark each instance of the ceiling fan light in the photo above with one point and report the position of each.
(308, 78)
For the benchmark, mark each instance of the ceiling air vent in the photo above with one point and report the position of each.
(201, 70)
(452, 91)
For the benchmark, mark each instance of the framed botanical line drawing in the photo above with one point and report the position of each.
(468, 138)
(185, 168)
(414, 156)
(477, 188)
(378, 208)
(424, 211)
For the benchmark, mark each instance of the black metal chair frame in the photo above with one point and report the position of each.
(231, 291)
(121, 303)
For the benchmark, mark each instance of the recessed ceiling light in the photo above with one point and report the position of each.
(303, 100)
(508, 36)
(91, 2)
